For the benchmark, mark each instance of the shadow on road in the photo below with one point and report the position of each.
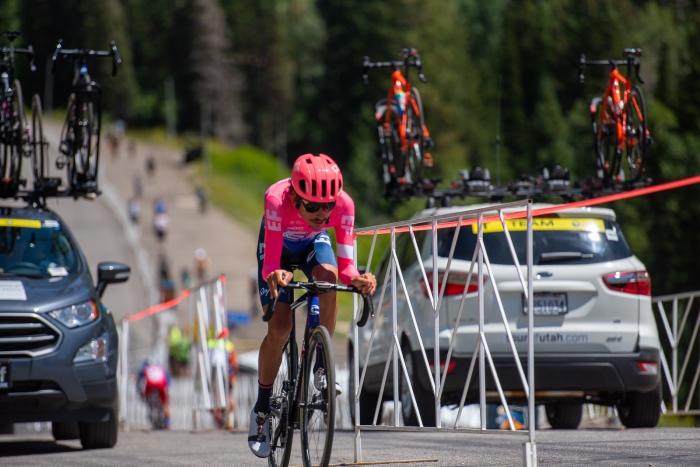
(24, 448)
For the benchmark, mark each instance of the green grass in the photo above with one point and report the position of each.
(678, 421)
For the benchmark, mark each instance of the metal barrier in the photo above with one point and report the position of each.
(680, 347)
(480, 261)
(210, 386)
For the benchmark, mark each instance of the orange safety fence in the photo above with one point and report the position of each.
(158, 308)
(548, 210)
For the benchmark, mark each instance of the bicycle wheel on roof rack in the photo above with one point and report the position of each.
(38, 142)
(392, 149)
(636, 134)
(87, 148)
(605, 139)
(416, 139)
(18, 137)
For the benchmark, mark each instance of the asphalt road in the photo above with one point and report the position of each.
(643, 447)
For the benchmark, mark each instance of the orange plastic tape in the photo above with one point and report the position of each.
(158, 308)
(543, 211)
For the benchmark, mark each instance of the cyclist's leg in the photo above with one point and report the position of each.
(321, 264)
(163, 393)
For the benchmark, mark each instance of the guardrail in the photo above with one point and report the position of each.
(480, 261)
(681, 346)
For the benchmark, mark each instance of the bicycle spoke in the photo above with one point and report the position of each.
(281, 432)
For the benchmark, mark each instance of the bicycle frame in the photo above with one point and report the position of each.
(620, 99)
(401, 89)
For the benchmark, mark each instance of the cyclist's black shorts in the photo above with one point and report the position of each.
(318, 251)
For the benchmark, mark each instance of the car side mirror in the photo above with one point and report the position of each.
(111, 272)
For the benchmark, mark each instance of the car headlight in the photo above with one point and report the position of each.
(93, 351)
(76, 315)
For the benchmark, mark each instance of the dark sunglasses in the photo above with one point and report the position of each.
(315, 207)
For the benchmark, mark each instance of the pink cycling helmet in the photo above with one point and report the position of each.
(317, 178)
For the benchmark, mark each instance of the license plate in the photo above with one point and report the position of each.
(547, 303)
(5, 374)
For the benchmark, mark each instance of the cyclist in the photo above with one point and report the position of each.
(153, 377)
(293, 234)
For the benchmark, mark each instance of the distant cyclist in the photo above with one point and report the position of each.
(298, 210)
(154, 378)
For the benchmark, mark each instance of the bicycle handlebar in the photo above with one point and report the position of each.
(11, 36)
(407, 54)
(82, 53)
(320, 287)
(632, 61)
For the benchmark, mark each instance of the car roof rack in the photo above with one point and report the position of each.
(476, 183)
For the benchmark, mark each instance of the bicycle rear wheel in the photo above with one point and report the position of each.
(415, 136)
(19, 137)
(317, 422)
(38, 143)
(605, 139)
(283, 409)
(636, 134)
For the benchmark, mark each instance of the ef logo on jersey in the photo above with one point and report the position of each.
(273, 220)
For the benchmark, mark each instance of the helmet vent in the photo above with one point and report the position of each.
(308, 160)
(313, 187)
(323, 188)
(333, 188)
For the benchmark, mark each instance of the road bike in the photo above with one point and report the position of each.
(156, 414)
(619, 122)
(403, 136)
(14, 133)
(303, 395)
(80, 137)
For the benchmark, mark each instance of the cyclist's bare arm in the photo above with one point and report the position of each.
(276, 278)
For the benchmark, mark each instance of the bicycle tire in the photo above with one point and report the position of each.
(416, 138)
(39, 166)
(605, 139)
(317, 424)
(18, 136)
(636, 138)
(67, 142)
(86, 155)
(392, 146)
(283, 401)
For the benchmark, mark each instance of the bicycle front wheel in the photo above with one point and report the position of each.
(318, 400)
(416, 138)
(605, 134)
(87, 111)
(636, 130)
(38, 157)
(19, 135)
(283, 409)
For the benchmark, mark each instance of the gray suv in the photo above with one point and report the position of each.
(58, 342)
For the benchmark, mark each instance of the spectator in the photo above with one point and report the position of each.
(151, 166)
(201, 261)
(134, 210)
(161, 224)
(186, 279)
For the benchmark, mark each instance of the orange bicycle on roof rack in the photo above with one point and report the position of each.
(619, 122)
(403, 136)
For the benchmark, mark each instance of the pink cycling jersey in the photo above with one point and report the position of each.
(284, 227)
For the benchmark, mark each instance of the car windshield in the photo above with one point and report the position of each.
(33, 248)
(555, 241)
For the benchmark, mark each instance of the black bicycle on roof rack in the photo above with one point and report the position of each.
(80, 137)
(14, 133)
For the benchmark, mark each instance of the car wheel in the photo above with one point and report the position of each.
(65, 430)
(641, 409)
(424, 398)
(368, 400)
(99, 435)
(564, 416)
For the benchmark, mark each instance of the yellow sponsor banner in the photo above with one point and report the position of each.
(26, 223)
(545, 223)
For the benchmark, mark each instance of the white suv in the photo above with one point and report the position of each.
(596, 340)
